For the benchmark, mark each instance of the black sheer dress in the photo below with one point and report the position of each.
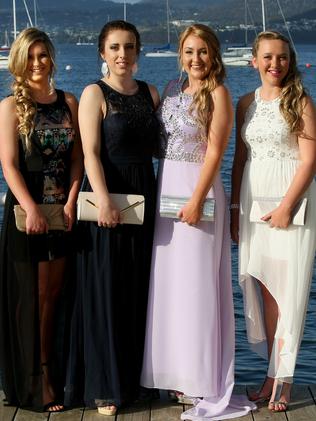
(108, 326)
(46, 173)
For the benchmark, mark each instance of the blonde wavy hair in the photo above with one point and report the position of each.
(292, 92)
(202, 99)
(18, 62)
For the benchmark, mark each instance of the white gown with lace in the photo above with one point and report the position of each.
(281, 259)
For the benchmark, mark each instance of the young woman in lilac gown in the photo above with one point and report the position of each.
(189, 344)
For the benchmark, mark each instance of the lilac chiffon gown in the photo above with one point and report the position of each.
(189, 343)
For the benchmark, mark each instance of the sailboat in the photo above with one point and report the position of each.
(164, 51)
(79, 42)
(4, 59)
(241, 55)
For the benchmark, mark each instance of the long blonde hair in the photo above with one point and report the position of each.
(202, 100)
(18, 62)
(292, 92)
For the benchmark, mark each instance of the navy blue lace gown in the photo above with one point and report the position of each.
(108, 326)
(46, 172)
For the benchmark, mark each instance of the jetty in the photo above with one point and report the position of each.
(302, 408)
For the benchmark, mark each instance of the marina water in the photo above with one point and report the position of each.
(79, 66)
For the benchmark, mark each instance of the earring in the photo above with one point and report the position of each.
(134, 68)
(105, 69)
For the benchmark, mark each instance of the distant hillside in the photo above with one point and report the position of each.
(65, 20)
(217, 11)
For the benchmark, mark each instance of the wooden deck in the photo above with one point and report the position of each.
(303, 408)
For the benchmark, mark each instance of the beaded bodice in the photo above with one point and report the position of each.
(185, 140)
(266, 133)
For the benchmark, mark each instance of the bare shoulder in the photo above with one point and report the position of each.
(221, 91)
(308, 105)
(8, 104)
(154, 94)
(71, 99)
(244, 102)
(222, 98)
(92, 91)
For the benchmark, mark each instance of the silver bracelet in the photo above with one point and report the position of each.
(234, 206)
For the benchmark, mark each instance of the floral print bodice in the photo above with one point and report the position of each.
(266, 133)
(184, 138)
(46, 167)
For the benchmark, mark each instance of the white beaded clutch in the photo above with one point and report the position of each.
(170, 206)
(262, 206)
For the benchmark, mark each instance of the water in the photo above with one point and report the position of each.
(157, 71)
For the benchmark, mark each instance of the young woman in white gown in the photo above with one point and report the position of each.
(275, 158)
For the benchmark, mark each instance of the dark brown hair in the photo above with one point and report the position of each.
(117, 25)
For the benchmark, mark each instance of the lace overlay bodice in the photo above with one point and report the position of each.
(266, 133)
(185, 140)
(129, 132)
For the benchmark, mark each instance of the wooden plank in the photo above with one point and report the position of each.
(302, 405)
(6, 412)
(164, 410)
(136, 412)
(312, 389)
(263, 413)
(75, 414)
(25, 415)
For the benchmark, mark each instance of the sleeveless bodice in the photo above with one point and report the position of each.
(46, 167)
(186, 140)
(266, 133)
(130, 127)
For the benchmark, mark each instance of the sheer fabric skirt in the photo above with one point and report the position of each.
(281, 259)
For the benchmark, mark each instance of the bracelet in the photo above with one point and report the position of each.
(234, 206)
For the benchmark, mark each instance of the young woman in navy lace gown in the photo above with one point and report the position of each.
(119, 130)
(41, 159)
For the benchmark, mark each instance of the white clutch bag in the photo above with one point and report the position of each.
(170, 206)
(262, 206)
(132, 207)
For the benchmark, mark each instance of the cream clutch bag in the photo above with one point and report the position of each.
(170, 206)
(132, 207)
(53, 213)
(262, 206)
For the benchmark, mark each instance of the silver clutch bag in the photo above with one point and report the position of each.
(131, 206)
(262, 206)
(170, 206)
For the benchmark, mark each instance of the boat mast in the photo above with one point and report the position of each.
(14, 19)
(263, 16)
(35, 13)
(28, 13)
(246, 24)
(168, 29)
(125, 11)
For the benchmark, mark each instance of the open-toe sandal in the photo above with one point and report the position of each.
(107, 410)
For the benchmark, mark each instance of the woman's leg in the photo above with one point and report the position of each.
(51, 279)
(270, 314)
(270, 386)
